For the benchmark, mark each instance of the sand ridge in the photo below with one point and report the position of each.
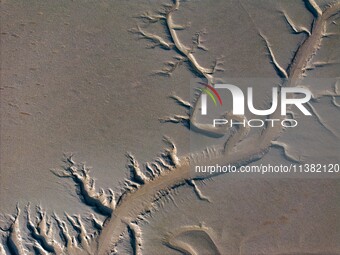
(168, 171)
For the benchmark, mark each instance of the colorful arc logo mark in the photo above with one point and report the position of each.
(208, 89)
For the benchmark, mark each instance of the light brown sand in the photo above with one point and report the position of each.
(76, 84)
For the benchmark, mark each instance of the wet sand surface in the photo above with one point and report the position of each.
(79, 78)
